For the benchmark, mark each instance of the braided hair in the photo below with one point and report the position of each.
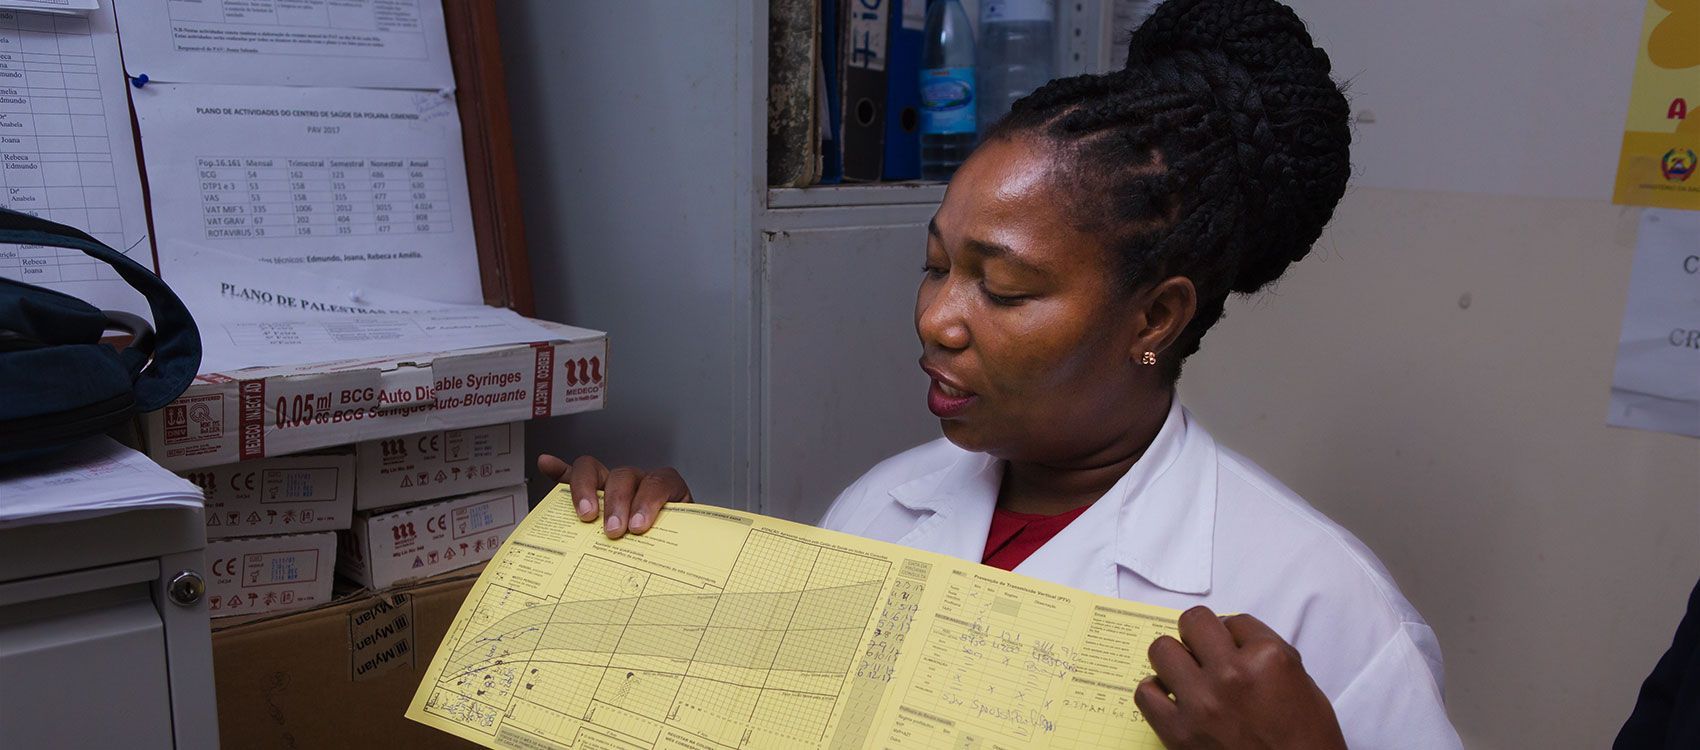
(1218, 153)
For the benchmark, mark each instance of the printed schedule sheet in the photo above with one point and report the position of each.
(67, 152)
(368, 186)
(723, 629)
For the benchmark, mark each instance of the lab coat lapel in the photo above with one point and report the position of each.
(957, 503)
(1157, 521)
(1167, 526)
(1082, 555)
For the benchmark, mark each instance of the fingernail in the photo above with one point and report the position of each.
(637, 520)
(584, 507)
(612, 523)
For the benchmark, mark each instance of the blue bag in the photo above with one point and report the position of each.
(58, 383)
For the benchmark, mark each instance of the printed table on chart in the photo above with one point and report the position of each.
(57, 157)
(323, 197)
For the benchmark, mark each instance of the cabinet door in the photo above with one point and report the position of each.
(85, 670)
(843, 389)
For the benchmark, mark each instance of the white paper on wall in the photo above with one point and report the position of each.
(67, 153)
(360, 43)
(365, 186)
(1656, 385)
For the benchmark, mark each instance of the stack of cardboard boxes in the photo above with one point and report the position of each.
(394, 475)
(380, 512)
(271, 530)
(384, 471)
(433, 502)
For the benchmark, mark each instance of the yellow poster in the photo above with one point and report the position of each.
(1661, 142)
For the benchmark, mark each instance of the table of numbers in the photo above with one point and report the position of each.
(56, 159)
(247, 197)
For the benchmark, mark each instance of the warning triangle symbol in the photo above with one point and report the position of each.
(442, 476)
(407, 481)
(254, 517)
(212, 520)
(418, 563)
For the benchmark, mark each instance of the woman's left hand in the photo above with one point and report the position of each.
(1235, 684)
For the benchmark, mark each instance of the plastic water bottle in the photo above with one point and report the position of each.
(948, 94)
(1017, 53)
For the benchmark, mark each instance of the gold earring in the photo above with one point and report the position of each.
(1150, 358)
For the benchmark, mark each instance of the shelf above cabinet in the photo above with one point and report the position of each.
(832, 196)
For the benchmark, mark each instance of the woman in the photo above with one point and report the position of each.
(1077, 259)
(1667, 711)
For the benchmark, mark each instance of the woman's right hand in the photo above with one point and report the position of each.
(631, 497)
(1235, 683)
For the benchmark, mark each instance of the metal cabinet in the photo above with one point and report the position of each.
(94, 651)
(843, 389)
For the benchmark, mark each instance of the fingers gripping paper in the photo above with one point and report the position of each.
(721, 629)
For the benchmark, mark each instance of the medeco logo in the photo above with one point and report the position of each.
(583, 371)
(1678, 164)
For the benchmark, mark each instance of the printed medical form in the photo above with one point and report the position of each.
(725, 629)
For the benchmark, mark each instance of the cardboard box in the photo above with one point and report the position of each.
(336, 676)
(388, 547)
(269, 411)
(431, 465)
(257, 574)
(283, 495)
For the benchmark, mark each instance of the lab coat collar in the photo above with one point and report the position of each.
(960, 499)
(1158, 521)
(1167, 508)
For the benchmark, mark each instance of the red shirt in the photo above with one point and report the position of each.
(1015, 536)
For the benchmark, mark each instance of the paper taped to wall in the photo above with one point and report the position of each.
(1656, 385)
(60, 7)
(364, 43)
(726, 629)
(368, 186)
(68, 152)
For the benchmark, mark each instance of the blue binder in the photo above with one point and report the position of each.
(903, 90)
(832, 145)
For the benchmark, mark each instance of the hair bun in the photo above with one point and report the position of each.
(1292, 121)
(1258, 35)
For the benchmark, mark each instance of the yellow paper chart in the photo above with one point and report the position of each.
(720, 629)
(1661, 141)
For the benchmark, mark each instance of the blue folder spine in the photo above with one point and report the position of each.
(903, 90)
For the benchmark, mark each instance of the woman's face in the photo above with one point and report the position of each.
(1032, 348)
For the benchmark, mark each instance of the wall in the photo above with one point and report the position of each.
(627, 154)
(1435, 376)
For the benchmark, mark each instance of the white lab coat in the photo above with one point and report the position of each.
(1192, 523)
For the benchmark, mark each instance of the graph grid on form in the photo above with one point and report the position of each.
(759, 663)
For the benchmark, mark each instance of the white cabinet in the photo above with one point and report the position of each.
(98, 653)
(842, 386)
(95, 651)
